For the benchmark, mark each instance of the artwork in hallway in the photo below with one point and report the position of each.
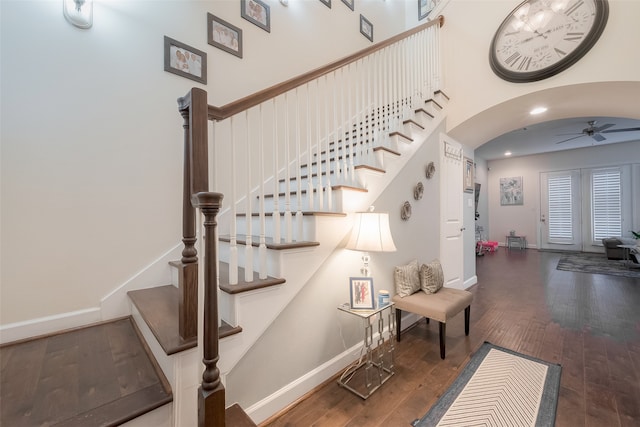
(511, 191)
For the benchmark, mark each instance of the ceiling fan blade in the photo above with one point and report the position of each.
(566, 140)
(622, 130)
(603, 127)
(598, 137)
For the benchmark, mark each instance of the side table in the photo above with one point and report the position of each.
(376, 365)
(520, 240)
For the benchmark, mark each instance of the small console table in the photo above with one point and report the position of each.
(376, 365)
(521, 241)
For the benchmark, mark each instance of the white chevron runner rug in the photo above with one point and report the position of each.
(499, 387)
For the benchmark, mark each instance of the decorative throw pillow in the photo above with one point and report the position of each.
(431, 277)
(407, 278)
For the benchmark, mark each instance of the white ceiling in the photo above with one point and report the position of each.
(544, 137)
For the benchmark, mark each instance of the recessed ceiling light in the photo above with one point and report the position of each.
(538, 110)
(507, 153)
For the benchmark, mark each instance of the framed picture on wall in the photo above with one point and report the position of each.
(425, 7)
(256, 12)
(361, 293)
(511, 192)
(366, 28)
(468, 176)
(185, 60)
(223, 35)
(350, 3)
(326, 3)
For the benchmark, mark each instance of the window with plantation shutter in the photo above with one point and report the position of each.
(560, 209)
(606, 203)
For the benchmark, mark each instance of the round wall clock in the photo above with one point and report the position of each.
(541, 38)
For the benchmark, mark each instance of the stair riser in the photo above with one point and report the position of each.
(273, 258)
(307, 226)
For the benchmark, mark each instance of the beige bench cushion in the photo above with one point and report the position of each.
(442, 305)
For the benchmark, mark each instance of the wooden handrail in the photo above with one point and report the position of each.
(228, 110)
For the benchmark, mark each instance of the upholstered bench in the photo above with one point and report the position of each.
(441, 305)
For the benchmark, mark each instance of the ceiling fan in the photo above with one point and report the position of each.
(595, 131)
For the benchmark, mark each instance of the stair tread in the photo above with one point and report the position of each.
(269, 241)
(235, 416)
(83, 367)
(242, 285)
(333, 187)
(159, 309)
(306, 213)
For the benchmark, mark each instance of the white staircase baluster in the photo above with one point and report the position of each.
(327, 163)
(341, 126)
(248, 248)
(297, 165)
(262, 248)
(233, 244)
(310, 193)
(353, 136)
(336, 134)
(287, 174)
(275, 218)
(320, 182)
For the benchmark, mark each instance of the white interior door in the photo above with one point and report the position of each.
(560, 210)
(451, 212)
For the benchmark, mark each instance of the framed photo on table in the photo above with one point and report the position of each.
(361, 295)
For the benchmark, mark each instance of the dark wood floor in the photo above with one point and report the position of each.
(590, 324)
(101, 375)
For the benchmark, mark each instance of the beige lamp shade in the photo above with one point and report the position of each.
(371, 233)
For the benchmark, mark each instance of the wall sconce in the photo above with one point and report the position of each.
(370, 233)
(78, 12)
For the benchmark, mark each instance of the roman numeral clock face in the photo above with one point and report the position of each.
(541, 38)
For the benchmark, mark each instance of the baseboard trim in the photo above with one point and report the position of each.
(298, 389)
(470, 281)
(49, 324)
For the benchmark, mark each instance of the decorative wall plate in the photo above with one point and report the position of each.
(431, 170)
(405, 213)
(418, 191)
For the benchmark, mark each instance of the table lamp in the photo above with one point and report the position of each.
(370, 233)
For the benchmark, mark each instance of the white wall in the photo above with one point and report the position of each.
(524, 219)
(483, 106)
(92, 141)
(311, 331)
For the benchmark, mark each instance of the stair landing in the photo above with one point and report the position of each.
(99, 375)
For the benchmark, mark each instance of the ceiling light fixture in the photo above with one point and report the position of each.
(507, 153)
(538, 110)
(78, 12)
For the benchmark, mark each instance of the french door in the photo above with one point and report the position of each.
(580, 207)
(560, 210)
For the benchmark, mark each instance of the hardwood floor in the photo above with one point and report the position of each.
(588, 323)
(100, 375)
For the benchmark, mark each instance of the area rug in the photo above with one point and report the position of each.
(597, 264)
(498, 387)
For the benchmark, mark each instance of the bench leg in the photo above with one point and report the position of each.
(467, 314)
(398, 320)
(443, 335)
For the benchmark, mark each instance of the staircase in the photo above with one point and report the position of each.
(293, 162)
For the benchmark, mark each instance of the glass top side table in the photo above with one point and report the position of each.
(376, 365)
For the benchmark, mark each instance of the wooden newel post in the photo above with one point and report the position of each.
(211, 399)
